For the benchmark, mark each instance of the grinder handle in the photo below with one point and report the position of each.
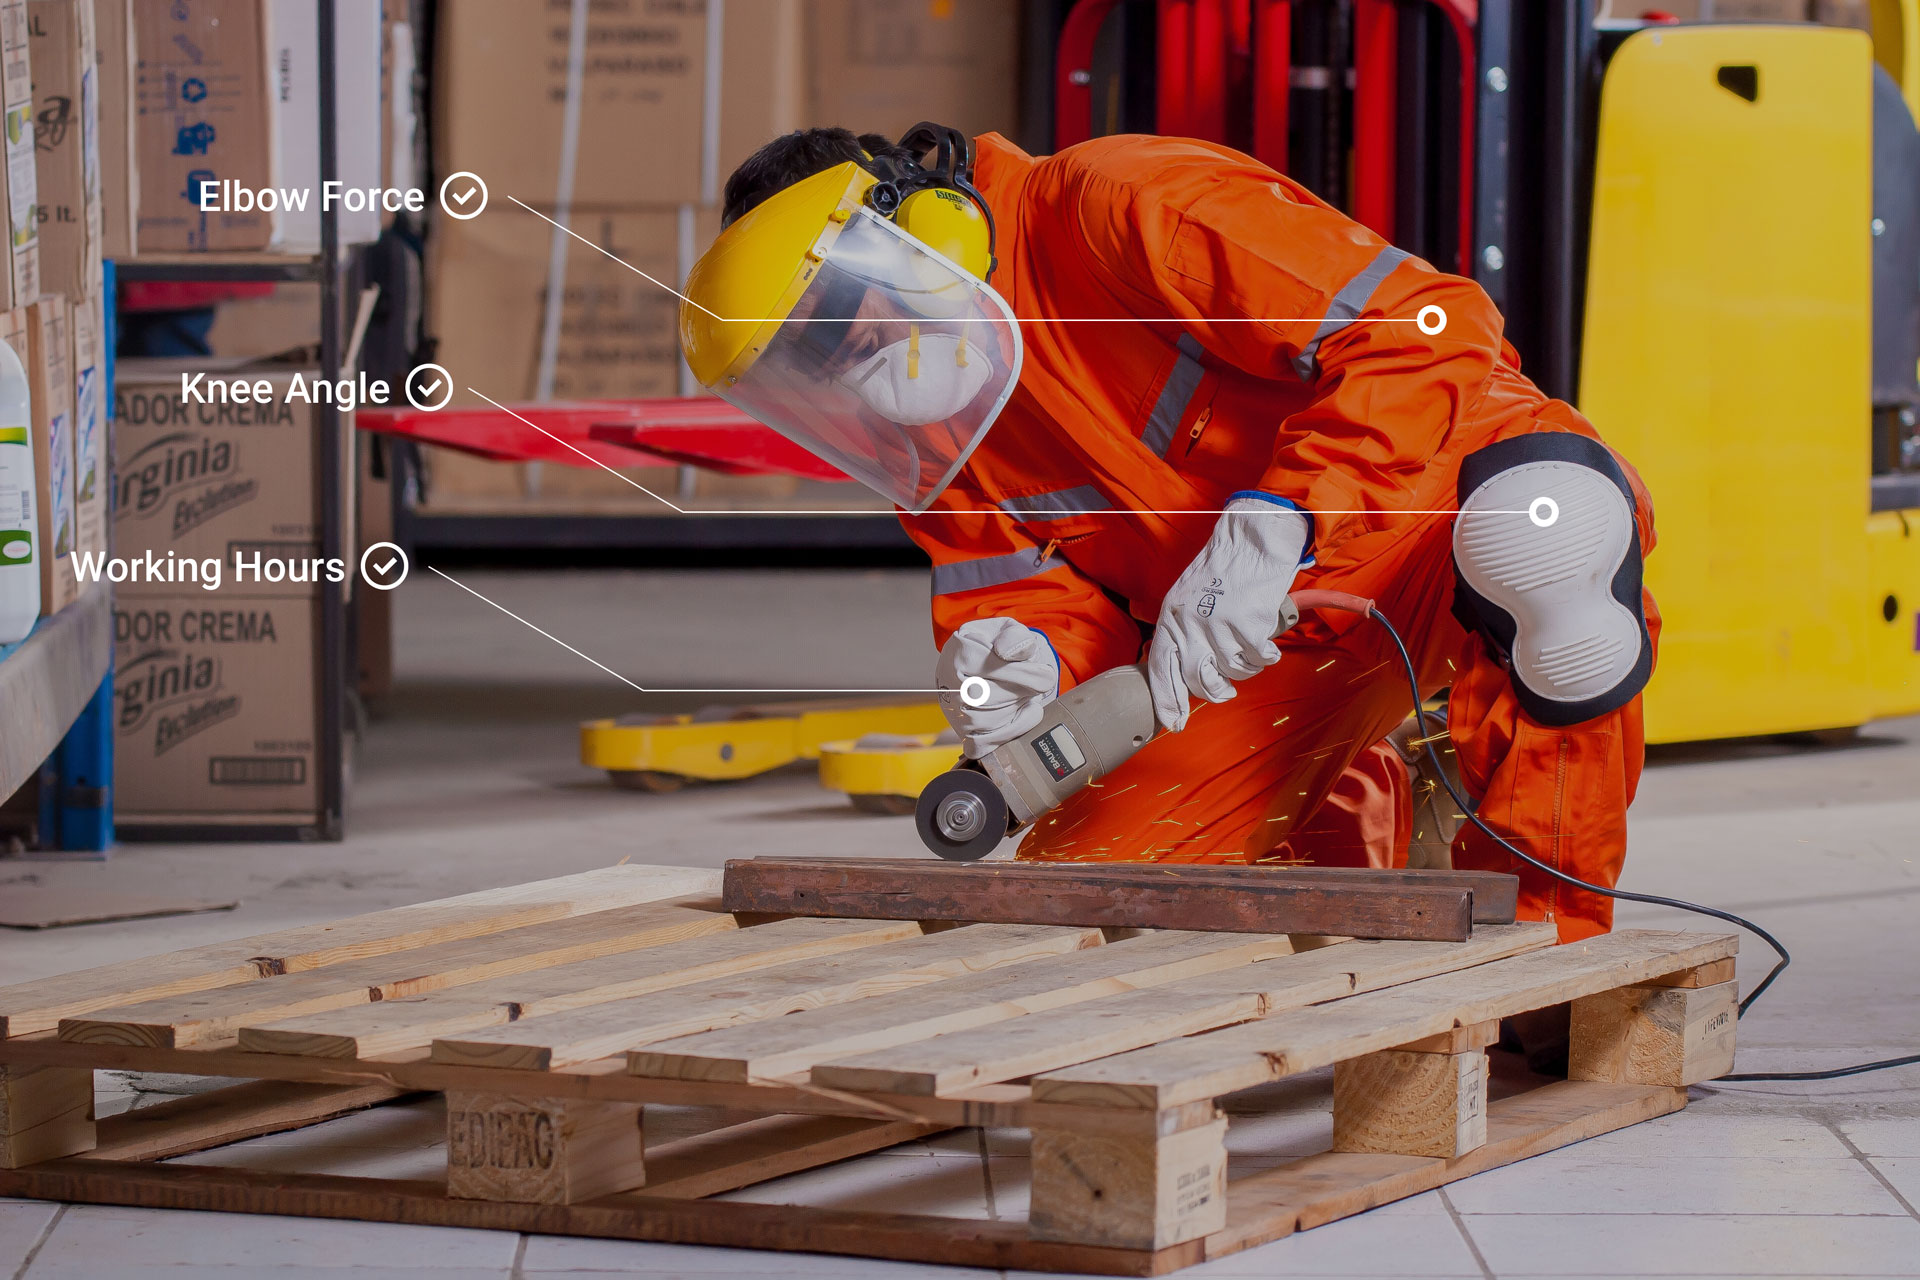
(1347, 602)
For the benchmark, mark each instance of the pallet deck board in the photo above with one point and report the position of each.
(594, 1032)
(1117, 1023)
(393, 1025)
(794, 1043)
(235, 1113)
(39, 1005)
(217, 1014)
(1255, 1053)
(1130, 898)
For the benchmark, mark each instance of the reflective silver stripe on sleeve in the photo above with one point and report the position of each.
(1347, 306)
(1058, 504)
(1172, 404)
(992, 571)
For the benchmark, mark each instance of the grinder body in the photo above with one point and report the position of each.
(1084, 734)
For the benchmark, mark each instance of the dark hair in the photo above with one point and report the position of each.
(797, 155)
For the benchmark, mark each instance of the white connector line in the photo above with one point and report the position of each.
(654, 280)
(1016, 514)
(643, 688)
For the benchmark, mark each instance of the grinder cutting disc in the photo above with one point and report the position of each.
(961, 815)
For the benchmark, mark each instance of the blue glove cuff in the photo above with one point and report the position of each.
(1057, 665)
(1306, 552)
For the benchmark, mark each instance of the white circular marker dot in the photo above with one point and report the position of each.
(1431, 319)
(975, 691)
(1543, 511)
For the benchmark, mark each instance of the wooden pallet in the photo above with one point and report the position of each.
(552, 1015)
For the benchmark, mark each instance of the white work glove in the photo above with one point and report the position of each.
(1022, 676)
(1217, 621)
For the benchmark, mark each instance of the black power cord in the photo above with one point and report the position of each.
(1780, 965)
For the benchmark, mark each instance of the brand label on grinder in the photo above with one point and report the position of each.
(1059, 752)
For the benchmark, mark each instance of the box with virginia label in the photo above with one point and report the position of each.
(210, 470)
(214, 705)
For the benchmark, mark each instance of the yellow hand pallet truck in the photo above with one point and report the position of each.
(664, 753)
(886, 772)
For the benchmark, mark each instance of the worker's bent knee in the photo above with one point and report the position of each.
(1547, 561)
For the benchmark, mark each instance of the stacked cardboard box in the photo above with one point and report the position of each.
(61, 181)
(525, 310)
(228, 90)
(215, 690)
(21, 285)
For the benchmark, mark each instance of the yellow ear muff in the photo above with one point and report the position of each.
(951, 224)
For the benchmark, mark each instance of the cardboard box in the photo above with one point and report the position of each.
(293, 54)
(288, 319)
(649, 132)
(618, 334)
(39, 335)
(119, 170)
(200, 100)
(66, 103)
(22, 200)
(215, 709)
(209, 480)
(883, 66)
(92, 491)
(1755, 11)
(1857, 14)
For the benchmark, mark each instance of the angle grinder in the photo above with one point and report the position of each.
(1083, 735)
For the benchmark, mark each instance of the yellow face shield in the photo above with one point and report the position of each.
(884, 358)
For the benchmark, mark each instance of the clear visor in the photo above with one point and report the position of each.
(892, 365)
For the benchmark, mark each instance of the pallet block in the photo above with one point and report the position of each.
(802, 1042)
(1140, 1190)
(1411, 1104)
(1654, 1034)
(541, 1151)
(45, 1113)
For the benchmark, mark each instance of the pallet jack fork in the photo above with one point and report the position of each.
(664, 753)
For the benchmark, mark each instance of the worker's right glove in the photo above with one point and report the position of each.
(1022, 675)
(1218, 619)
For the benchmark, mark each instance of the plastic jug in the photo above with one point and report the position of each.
(19, 537)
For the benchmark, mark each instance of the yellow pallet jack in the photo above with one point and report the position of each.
(664, 753)
(886, 772)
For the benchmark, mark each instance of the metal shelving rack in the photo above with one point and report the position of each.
(324, 268)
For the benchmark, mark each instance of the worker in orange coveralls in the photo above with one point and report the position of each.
(1229, 390)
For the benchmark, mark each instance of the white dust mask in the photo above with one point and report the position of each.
(920, 379)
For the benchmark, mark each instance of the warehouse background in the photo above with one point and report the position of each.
(605, 131)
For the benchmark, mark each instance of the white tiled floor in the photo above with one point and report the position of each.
(467, 780)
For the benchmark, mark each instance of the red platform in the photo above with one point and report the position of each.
(697, 431)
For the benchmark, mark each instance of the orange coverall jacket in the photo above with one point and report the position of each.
(1196, 324)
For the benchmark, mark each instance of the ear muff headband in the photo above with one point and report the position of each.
(951, 169)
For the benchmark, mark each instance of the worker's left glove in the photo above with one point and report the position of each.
(1218, 619)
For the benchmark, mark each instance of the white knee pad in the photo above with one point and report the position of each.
(1548, 558)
